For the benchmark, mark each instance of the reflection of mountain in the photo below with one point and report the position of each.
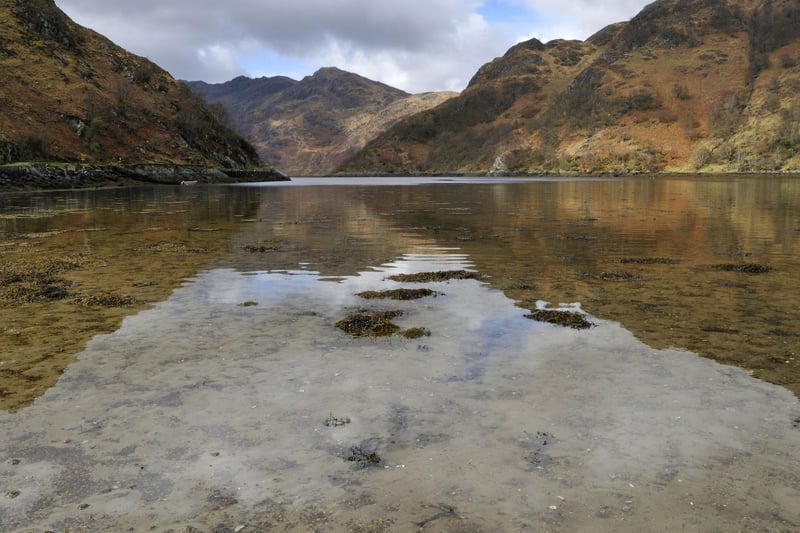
(327, 228)
(641, 252)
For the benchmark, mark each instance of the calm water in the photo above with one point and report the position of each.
(210, 407)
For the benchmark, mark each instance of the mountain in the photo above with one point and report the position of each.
(68, 94)
(311, 126)
(686, 85)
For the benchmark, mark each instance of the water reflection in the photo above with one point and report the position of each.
(202, 411)
(210, 407)
(658, 255)
(644, 252)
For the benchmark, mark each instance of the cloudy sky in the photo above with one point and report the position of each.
(415, 45)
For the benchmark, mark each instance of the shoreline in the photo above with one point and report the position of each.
(49, 176)
(36, 176)
(571, 174)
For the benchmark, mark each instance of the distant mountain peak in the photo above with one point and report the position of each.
(310, 126)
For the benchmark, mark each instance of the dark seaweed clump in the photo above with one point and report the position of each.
(569, 319)
(443, 275)
(105, 300)
(358, 455)
(39, 281)
(398, 294)
(648, 261)
(617, 275)
(365, 324)
(336, 421)
(365, 454)
(747, 268)
(271, 245)
(416, 333)
(614, 275)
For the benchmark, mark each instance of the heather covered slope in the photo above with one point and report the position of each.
(686, 85)
(68, 94)
(311, 126)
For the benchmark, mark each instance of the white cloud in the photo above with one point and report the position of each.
(579, 19)
(416, 45)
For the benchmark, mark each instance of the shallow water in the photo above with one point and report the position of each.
(203, 411)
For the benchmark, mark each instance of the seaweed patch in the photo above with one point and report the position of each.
(336, 421)
(648, 261)
(398, 294)
(416, 333)
(365, 454)
(614, 275)
(747, 268)
(442, 275)
(570, 319)
(362, 323)
(105, 300)
(270, 245)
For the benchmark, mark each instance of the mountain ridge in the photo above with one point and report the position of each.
(685, 85)
(310, 126)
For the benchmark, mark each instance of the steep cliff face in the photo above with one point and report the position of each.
(69, 94)
(309, 127)
(685, 85)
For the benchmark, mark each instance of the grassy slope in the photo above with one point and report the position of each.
(69, 94)
(684, 86)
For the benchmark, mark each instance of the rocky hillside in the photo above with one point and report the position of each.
(686, 85)
(311, 126)
(68, 94)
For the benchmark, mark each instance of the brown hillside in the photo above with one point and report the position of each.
(685, 85)
(309, 127)
(69, 94)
